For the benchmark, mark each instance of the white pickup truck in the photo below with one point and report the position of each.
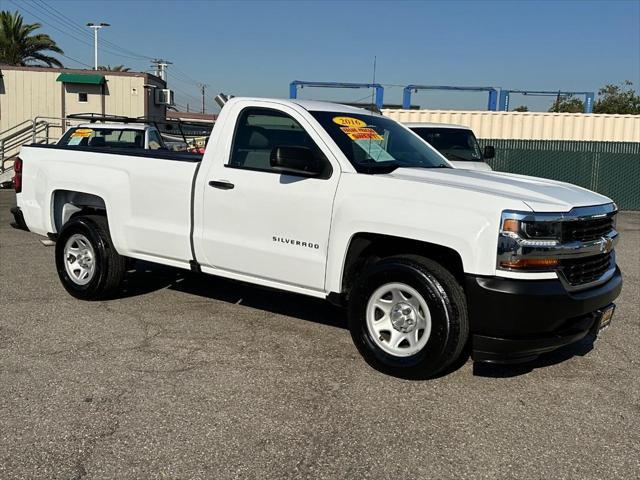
(457, 143)
(339, 203)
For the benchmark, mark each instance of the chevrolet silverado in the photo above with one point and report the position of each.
(347, 205)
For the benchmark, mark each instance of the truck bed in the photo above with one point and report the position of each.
(134, 152)
(147, 194)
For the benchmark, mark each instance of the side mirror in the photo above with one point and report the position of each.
(489, 152)
(295, 161)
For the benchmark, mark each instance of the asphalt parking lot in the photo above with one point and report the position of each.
(193, 377)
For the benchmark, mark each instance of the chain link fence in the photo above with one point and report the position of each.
(609, 168)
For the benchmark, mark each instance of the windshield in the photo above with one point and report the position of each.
(103, 137)
(456, 144)
(376, 144)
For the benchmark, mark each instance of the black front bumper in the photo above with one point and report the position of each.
(517, 320)
(18, 219)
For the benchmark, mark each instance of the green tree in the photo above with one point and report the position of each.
(115, 68)
(521, 108)
(567, 104)
(621, 99)
(19, 46)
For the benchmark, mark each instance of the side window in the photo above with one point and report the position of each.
(259, 130)
(124, 138)
(103, 137)
(155, 142)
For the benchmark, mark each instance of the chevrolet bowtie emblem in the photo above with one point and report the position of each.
(606, 244)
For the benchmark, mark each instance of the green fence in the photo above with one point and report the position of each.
(609, 168)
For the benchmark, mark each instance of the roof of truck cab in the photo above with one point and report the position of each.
(318, 106)
(312, 105)
(113, 126)
(435, 125)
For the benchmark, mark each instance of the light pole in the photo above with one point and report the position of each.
(96, 27)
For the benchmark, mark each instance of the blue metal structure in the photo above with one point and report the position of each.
(409, 89)
(379, 89)
(505, 94)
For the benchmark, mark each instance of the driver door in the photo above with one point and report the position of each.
(258, 221)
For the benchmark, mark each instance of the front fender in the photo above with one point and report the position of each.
(464, 221)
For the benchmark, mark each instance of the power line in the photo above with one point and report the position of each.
(80, 34)
(65, 32)
(53, 26)
(78, 39)
(181, 78)
(59, 17)
(186, 95)
(186, 84)
(80, 28)
(107, 45)
(77, 61)
(186, 76)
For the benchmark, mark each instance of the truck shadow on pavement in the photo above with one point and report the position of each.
(149, 277)
(146, 278)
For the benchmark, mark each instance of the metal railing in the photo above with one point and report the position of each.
(38, 130)
(46, 130)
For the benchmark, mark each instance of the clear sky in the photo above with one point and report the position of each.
(258, 47)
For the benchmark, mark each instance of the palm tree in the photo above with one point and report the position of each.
(115, 68)
(19, 47)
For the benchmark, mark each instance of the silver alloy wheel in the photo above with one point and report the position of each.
(79, 259)
(398, 319)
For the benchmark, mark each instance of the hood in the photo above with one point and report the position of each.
(540, 194)
(474, 165)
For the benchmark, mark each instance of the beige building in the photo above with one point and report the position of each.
(532, 125)
(29, 92)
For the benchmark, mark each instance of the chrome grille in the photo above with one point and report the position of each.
(586, 229)
(580, 271)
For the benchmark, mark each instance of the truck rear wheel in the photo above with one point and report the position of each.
(408, 316)
(88, 265)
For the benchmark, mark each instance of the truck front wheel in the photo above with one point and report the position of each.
(87, 262)
(408, 316)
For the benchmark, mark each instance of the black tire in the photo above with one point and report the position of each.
(447, 304)
(110, 267)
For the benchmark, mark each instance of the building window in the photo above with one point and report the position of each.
(82, 97)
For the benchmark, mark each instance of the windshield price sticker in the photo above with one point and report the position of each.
(82, 133)
(359, 133)
(349, 122)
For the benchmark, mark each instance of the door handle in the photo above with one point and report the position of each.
(221, 184)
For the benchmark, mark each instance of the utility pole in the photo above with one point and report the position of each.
(95, 27)
(161, 67)
(202, 87)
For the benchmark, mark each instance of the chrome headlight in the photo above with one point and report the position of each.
(578, 244)
(534, 231)
(526, 242)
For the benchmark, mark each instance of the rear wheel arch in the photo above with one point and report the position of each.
(65, 204)
(367, 248)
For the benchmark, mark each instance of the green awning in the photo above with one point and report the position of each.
(80, 78)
